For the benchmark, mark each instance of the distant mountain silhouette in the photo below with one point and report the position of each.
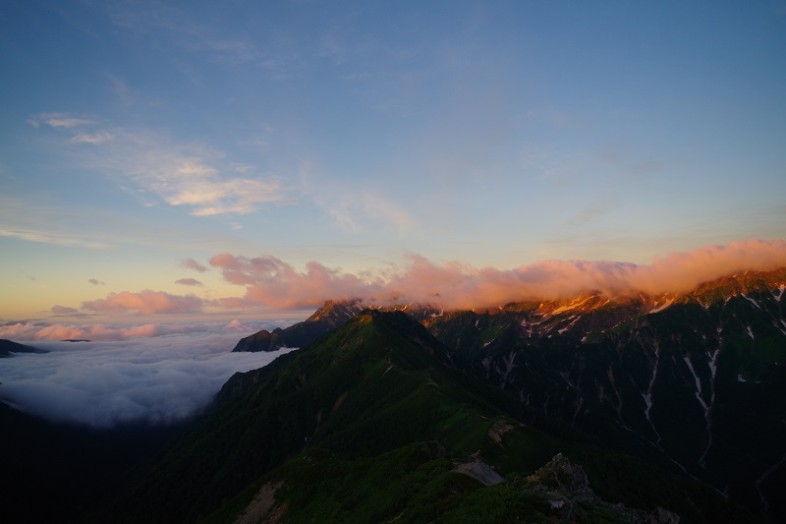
(8, 346)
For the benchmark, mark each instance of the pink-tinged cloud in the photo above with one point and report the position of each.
(38, 331)
(270, 282)
(146, 302)
(189, 282)
(684, 271)
(190, 263)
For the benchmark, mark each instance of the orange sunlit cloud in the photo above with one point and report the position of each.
(270, 283)
(273, 283)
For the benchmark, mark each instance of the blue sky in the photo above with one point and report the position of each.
(138, 136)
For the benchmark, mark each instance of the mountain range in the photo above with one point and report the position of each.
(592, 408)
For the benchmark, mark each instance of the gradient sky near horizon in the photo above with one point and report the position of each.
(165, 159)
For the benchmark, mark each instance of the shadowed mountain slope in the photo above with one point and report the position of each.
(697, 380)
(700, 377)
(55, 472)
(372, 423)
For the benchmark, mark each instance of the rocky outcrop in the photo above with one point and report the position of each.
(567, 490)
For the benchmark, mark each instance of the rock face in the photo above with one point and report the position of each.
(568, 492)
(563, 478)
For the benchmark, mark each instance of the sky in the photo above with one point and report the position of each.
(166, 162)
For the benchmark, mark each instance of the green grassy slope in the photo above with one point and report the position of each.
(366, 425)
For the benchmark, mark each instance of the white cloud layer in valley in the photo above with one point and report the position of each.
(103, 384)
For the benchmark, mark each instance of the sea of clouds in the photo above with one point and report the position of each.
(104, 384)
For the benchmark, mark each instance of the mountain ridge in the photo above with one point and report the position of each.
(698, 378)
(334, 313)
(673, 407)
(370, 424)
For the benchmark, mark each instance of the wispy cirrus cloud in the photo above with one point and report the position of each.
(354, 208)
(355, 211)
(59, 238)
(93, 138)
(62, 120)
(180, 174)
(238, 196)
(33, 220)
(42, 219)
(269, 48)
(189, 175)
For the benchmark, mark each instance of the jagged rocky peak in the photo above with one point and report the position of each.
(539, 317)
(332, 314)
(740, 283)
(583, 303)
(337, 311)
(713, 291)
(562, 475)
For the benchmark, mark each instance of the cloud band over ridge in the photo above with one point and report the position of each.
(271, 282)
(271, 285)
